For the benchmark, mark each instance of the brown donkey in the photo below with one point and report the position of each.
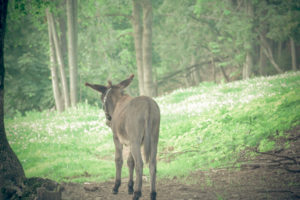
(134, 122)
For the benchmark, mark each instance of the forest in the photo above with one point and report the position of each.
(167, 44)
(224, 82)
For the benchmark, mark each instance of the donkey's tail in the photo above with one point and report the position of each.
(147, 139)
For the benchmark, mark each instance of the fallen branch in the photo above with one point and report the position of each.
(181, 152)
(294, 195)
(279, 156)
(291, 170)
(189, 68)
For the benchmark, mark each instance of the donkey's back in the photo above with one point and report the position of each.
(142, 123)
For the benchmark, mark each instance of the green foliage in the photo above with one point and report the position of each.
(27, 81)
(266, 145)
(210, 129)
(201, 128)
(182, 30)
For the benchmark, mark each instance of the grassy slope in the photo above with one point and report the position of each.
(202, 127)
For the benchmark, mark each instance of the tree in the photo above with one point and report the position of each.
(69, 98)
(248, 64)
(11, 170)
(27, 80)
(138, 31)
(72, 48)
(60, 60)
(147, 48)
(278, 26)
(223, 36)
(53, 68)
(143, 45)
(293, 54)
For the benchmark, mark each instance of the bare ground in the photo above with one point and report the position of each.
(271, 175)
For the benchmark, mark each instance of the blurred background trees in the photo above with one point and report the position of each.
(175, 43)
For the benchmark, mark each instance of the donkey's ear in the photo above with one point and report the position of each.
(125, 83)
(99, 88)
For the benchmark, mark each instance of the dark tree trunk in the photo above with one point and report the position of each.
(247, 67)
(213, 70)
(188, 77)
(195, 71)
(11, 170)
(293, 54)
(268, 52)
(224, 74)
(279, 50)
(262, 61)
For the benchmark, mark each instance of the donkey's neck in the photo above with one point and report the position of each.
(121, 103)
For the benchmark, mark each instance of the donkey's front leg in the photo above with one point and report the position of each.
(119, 163)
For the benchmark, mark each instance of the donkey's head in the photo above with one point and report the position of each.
(111, 94)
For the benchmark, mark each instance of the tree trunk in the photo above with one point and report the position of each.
(147, 48)
(196, 75)
(155, 82)
(72, 48)
(60, 60)
(11, 170)
(187, 80)
(63, 31)
(279, 50)
(138, 36)
(195, 72)
(247, 68)
(293, 54)
(213, 70)
(224, 74)
(262, 61)
(269, 55)
(268, 52)
(54, 78)
(188, 77)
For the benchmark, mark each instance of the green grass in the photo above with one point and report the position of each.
(201, 128)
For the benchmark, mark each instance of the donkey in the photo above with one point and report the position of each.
(134, 122)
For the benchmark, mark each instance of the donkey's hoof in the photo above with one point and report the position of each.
(137, 195)
(116, 187)
(130, 190)
(115, 191)
(153, 195)
(130, 187)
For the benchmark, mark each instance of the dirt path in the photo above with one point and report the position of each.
(272, 175)
(260, 183)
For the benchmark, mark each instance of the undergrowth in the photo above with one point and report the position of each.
(201, 128)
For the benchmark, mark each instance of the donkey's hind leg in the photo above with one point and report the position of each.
(138, 161)
(152, 168)
(130, 164)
